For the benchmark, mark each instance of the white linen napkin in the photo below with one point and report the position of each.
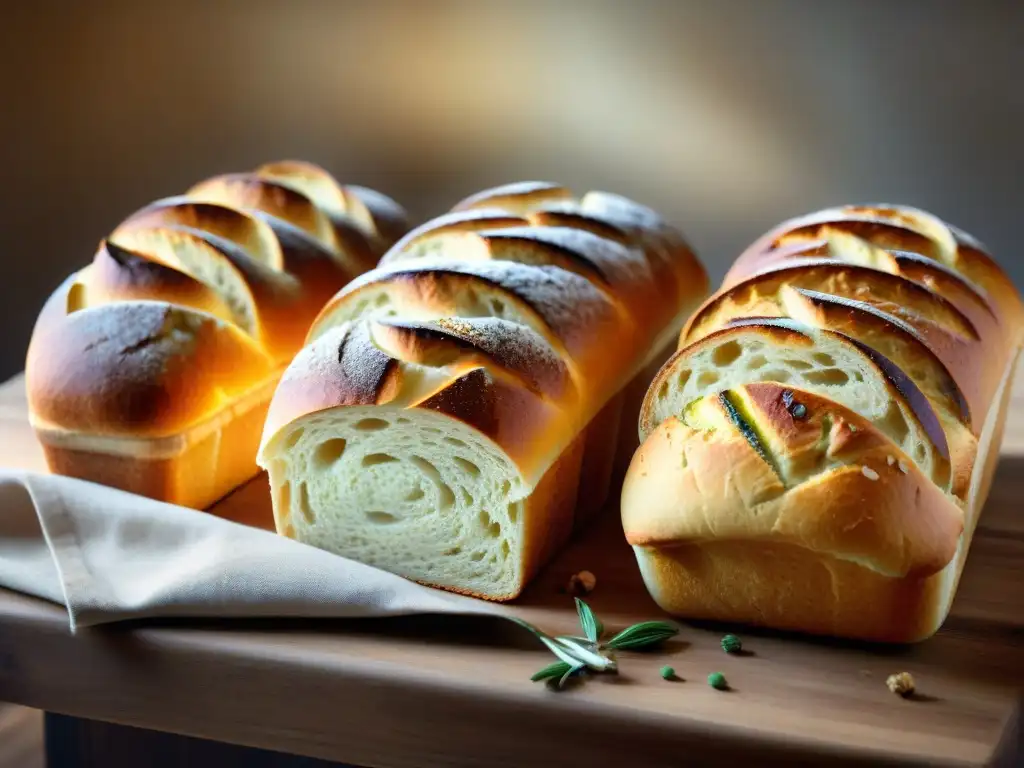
(109, 556)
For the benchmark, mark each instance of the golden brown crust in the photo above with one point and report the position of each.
(179, 328)
(691, 484)
(899, 228)
(763, 520)
(502, 346)
(518, 197)
(523, 314)
(140, 369)
(785, 335)
(120, 274)
(249, 191)
(884, 291)
(786, 587)
(592, 333)
(677, 273)
(492, 379)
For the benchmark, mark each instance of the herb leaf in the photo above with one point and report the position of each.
(647, 634)
(587, 653)
(555, 669)
(592, 626)
(569, 673)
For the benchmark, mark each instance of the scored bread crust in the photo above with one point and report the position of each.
(859, 297)
(151, 369)
(456, 412)
(909, 528)
(900, 228)
(735, 516)
(787, 352)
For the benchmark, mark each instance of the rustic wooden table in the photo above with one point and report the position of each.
(456, 692)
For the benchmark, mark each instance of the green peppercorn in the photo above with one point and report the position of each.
(668, 673)
(799, 411)
(732, 644)
(717, 681)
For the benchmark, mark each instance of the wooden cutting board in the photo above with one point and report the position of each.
(456, 692)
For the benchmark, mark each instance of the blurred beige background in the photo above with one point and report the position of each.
(726, 115)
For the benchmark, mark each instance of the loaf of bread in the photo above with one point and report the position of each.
(816, 454)
(151, 369)
(455, 413)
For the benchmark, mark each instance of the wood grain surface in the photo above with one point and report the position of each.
(21, 737)
(425, 691)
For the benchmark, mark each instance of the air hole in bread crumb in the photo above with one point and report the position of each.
(294, 438)
(468, 466)
(380, 518)
(452, 551)
(858, 376)
(777, 375)
(284, 496)
(493, 529)
(822, 359)
(373, 459)
(684, 376)
(476, 557)
(447, 496)
(830, 377)
(707, 378)
(467, 497)
(456, 442)
(506, 487)
(371, 425)
(663, 391)
(727, 353)
(415, 494)
(757, 361)
(513, 513)
(896, 425)
(381, 300)
(505, 550)
(800, 365)
(304, 507)
(329, 451)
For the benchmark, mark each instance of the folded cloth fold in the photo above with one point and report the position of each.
(109, 556)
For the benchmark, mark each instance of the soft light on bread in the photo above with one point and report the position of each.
(151, 369)
(816, 454)
(456, 412)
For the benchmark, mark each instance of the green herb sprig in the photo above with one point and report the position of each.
(589, 652)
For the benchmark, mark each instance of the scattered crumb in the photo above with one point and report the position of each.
(582, 583)
(869, 473)
(890, 460)
(668, 673)
(902, 684)
(903, 466)
(717, 681)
